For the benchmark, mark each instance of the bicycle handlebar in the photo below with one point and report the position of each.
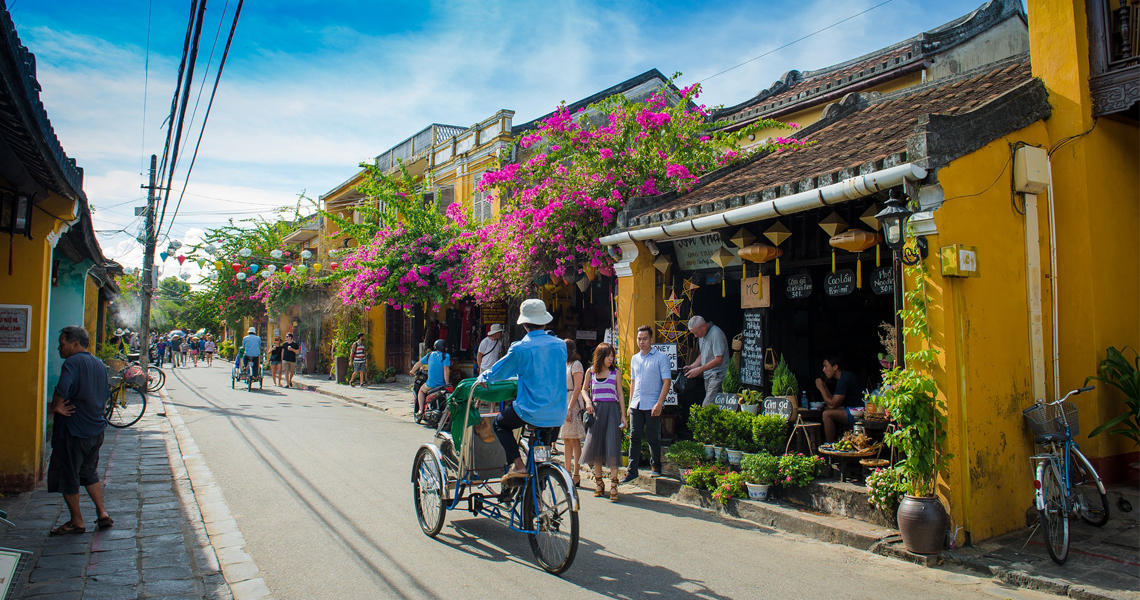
(1087, 388)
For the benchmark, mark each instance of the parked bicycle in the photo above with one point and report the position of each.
(126, 400)
(1064, 478)
(155, 376)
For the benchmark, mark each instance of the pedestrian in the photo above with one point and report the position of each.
(605, 400)
(289, 359)
(332, 361)
(490, 349)
(573, 431)
(359, 355)
(194, 350)
(650, 372)
(275, 361)
(184, 352)
(211, 348)
(710, 362)
(161, 347)
(77, 432)
(117, 341)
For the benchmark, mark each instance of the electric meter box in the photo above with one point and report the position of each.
(959, 261)
(1031, 170)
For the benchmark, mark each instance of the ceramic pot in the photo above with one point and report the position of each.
(757, 491)
(922, 522)
(753, 409)
(734, 457)
(710, 452)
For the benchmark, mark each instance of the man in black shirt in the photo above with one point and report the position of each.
(77, 432)
(848, 395)
(289, 358)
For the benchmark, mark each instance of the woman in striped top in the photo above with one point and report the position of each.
(604, 400)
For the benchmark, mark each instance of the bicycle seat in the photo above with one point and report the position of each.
(1050, 438)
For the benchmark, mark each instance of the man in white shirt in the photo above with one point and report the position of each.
(490, 349)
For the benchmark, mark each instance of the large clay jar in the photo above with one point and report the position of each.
(922, 522)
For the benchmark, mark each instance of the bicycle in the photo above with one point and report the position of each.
(1062, 475)
(126, 398)
(245, 373)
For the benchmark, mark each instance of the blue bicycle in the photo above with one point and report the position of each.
(1064, 479)
(544, 505)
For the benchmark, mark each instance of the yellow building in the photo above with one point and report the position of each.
(1057, 269)
(54, 273)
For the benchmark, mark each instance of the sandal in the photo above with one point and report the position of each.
(600, 489)
(613, 489)
(68, 528)
(104, 522)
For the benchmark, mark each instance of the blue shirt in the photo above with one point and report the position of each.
(83, 383)
(435, 362)
(539, 361)
(647, 372)
(252, 345)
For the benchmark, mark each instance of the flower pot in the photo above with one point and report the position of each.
(922, 522)
(625, 461)
(717, 450)
(734, 457)
(710, 452)
(757, 491)
(753, 409)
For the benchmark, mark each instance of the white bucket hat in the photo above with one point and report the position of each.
(118, 332)
(496, 328)
(533, 311)
(252, 330)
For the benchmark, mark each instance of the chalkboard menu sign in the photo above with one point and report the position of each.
(883, 281)
(797, 286)
(840, 283)
(752, 351)
(779, 405)
(727, 401)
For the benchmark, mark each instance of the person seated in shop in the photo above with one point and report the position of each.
(848, 395)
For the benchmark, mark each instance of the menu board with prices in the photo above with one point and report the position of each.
(752, 350)
(883, 281)
(839, 283)
(797, 286)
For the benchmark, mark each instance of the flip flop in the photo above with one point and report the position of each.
(68, 528)
(104, 522)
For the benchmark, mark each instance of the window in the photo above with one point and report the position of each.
(481, 204)
(446, 197)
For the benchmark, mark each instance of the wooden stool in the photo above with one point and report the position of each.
(810, 432)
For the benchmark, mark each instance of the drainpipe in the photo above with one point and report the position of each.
(1053, 285)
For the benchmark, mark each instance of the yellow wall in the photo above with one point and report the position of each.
(22, 406)
(378, 337)
(636, 303)
(91, 307)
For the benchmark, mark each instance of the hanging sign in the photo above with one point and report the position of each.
(883, 281)
(726, 401)
(495, 312)
(797, 286)
(671, 350)
(752, 348)
(779, 405)
(839, 283)
(697, 252)
(750, 296)
(588, 335)
(15, 327)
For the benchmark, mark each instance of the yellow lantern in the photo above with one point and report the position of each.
(662, 264)
(869, 217)
(854, 240)
(722, 257)
(760, 254)
(778, 233)
(316, 267)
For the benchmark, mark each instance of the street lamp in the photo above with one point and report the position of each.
(893, 219)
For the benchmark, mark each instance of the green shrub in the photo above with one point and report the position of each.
(731, 384)
(226, 349)
(761, 468)
(686, 454)
(784, 381)
(797, 470)
(729, 485)
(770, 434)
(884, 489)
(737, 431)
(703, 477)
(701, 422)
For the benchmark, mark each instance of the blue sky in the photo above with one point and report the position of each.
(311, 88)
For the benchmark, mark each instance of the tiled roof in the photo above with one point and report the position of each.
(621, 88)
(809, 88)
(847, 142)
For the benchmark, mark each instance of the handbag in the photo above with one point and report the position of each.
(588, 419)
(682, 384)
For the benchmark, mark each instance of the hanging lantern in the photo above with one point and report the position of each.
(175, 244)
(833, 224)
(181, 259)
(276, 254)
(184, 276)
(591, 272)
(302, 269)
(287, 268)
(854, 240)
(253, 268)
(245, 252)
(583, 283)
(760, 254)
(722, 257)
(219, 265)
(333, 266)
(673, 304)
(241, 276)
(213, 276)
(740, 239)
(237, 267)
(778, 233)
(662, 265)
(201, 263)
(210, 249)
(265, 273)
(163, 256)
(316, 267)
(871, 218)
(271, 268)
(306, 255)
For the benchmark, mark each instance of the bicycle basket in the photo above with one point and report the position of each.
(115, 365)
(134, 375)
(1045, 418)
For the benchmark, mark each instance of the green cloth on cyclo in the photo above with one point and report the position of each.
(500, 391)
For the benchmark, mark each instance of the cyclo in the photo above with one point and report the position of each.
(462, 466)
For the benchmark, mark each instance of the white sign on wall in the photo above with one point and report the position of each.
(15, 327)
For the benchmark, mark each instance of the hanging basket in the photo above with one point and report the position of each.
(738, 342)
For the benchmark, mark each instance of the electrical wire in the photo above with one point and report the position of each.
(795, 41)
(146, 80)
(174, 101)
(1072, 138)
(206, 74)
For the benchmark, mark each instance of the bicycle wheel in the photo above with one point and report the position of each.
(427, 492)
(156, 378)
(1055, 515)
(1090, 504)
(554, 517)
(126, 405)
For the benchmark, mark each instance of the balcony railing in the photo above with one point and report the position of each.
(1114, 55)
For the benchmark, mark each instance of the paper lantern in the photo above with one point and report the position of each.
(759, 253)
(778, 233)
(276, 254)
(673, 304)
(591, 271)
(219, 265)
(175, 244)
(210, 249)
(869, 218)
(316, 267)
(265, 274)
(253, 268)
(833, 224)
(184, 276)
(742, 238)
(237, 267)
(583, 283)
(181, 259)
(201, 263)
(722, 257)
(213, 276)
(306, 255)
(245, 252)
(241, 276)
(302, 269)
(333, 266)
(163, 256)
(855, 240)
(271, 268)
(287, 268)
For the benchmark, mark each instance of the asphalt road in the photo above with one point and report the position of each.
(321, 492)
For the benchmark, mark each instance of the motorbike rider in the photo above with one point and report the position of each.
(438, 365)
(251, 344)
(539, 361)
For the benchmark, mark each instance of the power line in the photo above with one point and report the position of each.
(797, 40)
(146, 80)
(210, 61)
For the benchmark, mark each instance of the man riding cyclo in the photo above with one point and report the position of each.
(539, 361)
(251, 348)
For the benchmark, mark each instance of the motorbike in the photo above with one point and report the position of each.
(434, 404)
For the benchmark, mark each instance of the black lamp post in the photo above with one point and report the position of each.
(893, 219)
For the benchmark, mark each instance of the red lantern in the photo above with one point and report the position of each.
(287, 268)
(181, 259)
(333, 266)
(237, 267)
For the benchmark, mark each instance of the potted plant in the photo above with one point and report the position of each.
(784, 382)
(750, 401)
(770, 434)
(760, 470)
(685, 454)
(888, 338)
(388, 375)
(720, 430)
(700, 423)
(731, 383)
(1117, 371)
(797, 470)
(884, 489)
(912, 397)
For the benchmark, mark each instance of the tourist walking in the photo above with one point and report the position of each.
(573, 431)
(210, 349)
(650, 372)
(289, 359)
(605, 400)
(490, 349)
(710, 362)
(358, 353)
(275, 361)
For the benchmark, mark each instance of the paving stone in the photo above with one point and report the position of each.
(240, 571)
(250, 589)
(149, 507)
(172, 560)
(114, 567)
(170, 587)
(62, 561)
(74, 547)
(119, 592)
(166, 538)
(41, 574)
(105, 545)
(111, 580)
(174, 572)
(109, 555)
(76, 595)
(116, 533)
(166, 548)
(73, 584)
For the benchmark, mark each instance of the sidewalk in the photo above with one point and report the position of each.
(156, 549)
(1103, 564)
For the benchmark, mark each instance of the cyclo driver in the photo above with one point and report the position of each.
(539, 361)
(251, 344)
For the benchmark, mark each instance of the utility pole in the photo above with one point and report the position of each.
(145, 285)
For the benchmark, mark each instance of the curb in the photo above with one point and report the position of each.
(220, 543)
(313, 388)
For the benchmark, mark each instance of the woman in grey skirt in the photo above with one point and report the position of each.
(604, 400)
